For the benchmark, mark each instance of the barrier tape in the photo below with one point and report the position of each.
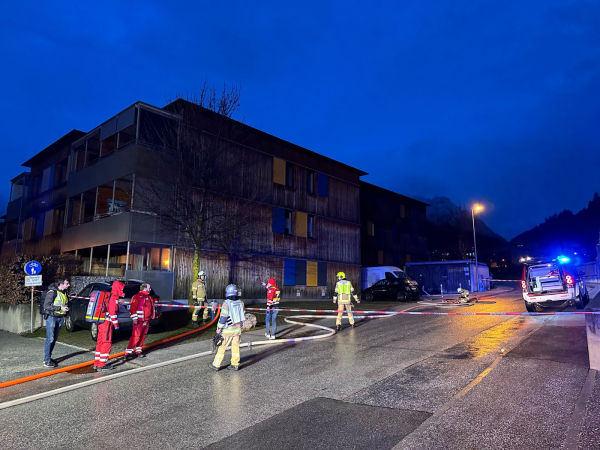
(396, 313)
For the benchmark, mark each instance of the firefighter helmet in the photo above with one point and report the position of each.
(271, 281)
(202, 273)
(341, 274)
(231, 291)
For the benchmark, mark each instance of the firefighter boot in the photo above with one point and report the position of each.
(338, 327)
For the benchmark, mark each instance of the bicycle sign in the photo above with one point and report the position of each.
(33, 268)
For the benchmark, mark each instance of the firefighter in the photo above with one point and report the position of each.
(105, 329)
(272, 307)
(464, 296)
(229, 329)
(199, 298)
(142, 311)
(344, 290)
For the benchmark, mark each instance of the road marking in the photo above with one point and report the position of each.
(69, 345)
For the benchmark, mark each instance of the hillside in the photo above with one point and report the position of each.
(566, 232)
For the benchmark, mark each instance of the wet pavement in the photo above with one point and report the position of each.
(431, 382)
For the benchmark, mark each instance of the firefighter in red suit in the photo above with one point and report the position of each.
(142, 311)
(105, 329)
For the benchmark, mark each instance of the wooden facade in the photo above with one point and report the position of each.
(392, 232)
(307, 206)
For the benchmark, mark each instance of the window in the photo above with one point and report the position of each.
(104, 198)
(92, 149)
(89, 205)
(74, 210)
(394, 234)
(310, 227)
(36, 184)
(108, 145)
(61, 172)
(278, 224)
(47, 179)
(310, 182)
(322, 274)
(322, 184)
(289, 175)
(278, 171)
(402, 212)
(300, 273)
(380, 257)
(409, 213)
(288, 221)
(58, 218)
(38, 229)
(370, 229)
(123, 195)
(289, 272)
(408, 258)
(157, 129)
(79, 157)
(126, 136)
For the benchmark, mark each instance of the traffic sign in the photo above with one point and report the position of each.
(33, 280)
(33, 268)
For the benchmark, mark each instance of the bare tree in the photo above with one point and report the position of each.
(203, 187)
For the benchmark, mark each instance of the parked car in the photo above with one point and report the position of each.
(371, 275)
(78, 304)
(553, 284)
(400, 289)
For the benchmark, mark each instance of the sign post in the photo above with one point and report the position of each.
(33, 269)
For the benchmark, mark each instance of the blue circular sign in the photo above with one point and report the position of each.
(33, 268)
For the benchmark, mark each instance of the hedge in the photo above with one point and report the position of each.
(12, 274)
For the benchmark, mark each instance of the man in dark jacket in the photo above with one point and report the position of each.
(55, 309)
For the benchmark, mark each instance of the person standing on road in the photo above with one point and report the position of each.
(142, 311)
(55, 308)
(229, 329)
(109, 309)
(342, 295)
(272, 307)
(199, 298)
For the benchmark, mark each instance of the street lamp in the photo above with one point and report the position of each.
(476, 208)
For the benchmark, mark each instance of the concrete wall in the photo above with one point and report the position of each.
(592, 327)
(17, 318)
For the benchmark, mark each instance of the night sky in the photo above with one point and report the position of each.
(492, 101)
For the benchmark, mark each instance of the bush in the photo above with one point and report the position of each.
(12, 274)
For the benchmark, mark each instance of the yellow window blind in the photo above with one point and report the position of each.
(301, 219)
(278, 171)
(311, 273)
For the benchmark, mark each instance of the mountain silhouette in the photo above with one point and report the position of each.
(565, 233)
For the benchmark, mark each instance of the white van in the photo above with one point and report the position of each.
(371, 275)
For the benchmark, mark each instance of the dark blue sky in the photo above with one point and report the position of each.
(491, 101)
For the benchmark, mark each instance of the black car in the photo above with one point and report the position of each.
(78, 304)
(400, 289)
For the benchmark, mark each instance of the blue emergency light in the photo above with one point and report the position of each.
(563, 259)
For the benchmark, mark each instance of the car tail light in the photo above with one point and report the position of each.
(569, 280)
(524, 285)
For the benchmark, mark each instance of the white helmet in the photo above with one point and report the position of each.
(201, 273)
(231, 291)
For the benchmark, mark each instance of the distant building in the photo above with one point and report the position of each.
(393, 227)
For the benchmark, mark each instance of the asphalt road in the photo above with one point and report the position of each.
(393, 382)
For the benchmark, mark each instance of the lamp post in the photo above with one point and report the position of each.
(474, 209)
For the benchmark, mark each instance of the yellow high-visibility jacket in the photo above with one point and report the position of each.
(344, 291)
